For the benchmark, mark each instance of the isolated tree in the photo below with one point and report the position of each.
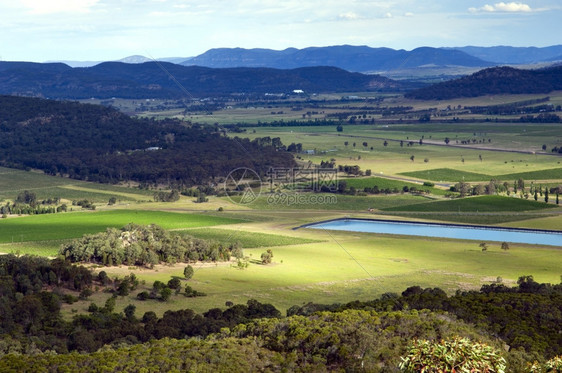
(165, 294)
(412, 158)
(447, 140)
(385, 143)
(130, 311)
(266, 257)
(346, 143)
(505, 246)
(354, 144)
(521, 184)
(339, 128)
(365, 144)
(543, 146)
(480, 157)
(546, 195)
(188, 272)
(484, 246)
(536, 195)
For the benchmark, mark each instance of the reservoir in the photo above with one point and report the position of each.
(454, 231)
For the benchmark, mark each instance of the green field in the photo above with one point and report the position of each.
(349, 266)
(44, 186)
(383, 183)
(447, 174)
(248, 240)
(477, 204)
(329, 202)
(73, 225)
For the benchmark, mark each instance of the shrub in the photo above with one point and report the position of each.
(456, 355)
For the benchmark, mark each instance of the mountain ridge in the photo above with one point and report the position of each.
(167, 80)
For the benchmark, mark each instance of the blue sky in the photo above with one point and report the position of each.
(40, 30)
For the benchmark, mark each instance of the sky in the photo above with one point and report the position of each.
(96, 30)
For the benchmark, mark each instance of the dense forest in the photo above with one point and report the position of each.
(522, 324)
(495, 80)
(169, 81)
(99, 144)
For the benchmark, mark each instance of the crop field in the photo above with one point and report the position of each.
(448, 174)
(73, 225)
(477, 204)
(382, 183)
(395, 159)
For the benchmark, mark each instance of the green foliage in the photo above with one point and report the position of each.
(188, 272)
(141, 245)
(116, 150)
(456, 355)
(266, 257)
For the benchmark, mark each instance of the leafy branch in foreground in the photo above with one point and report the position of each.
(455, 355)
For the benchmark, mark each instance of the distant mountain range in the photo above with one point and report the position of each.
(351, 58)
(167, 80)
(357, 58)
(515, 55)
(496, 80)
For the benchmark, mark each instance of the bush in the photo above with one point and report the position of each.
(456, 355)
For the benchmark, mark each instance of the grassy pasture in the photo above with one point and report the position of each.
(332, 202)
(382, 183)
(395, 159)
(448, 174)
(454, 175)
(73, 225)
(477, 204)
(348, 266)
(14, 181)
(247, 239)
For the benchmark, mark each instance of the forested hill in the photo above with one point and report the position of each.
(497, 80)
(99, 144)
(163, 80)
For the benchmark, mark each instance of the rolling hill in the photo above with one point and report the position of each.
(496, 80)
(167, 80)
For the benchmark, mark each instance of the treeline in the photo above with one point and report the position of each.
(145, 245)
(27, 203)
(496, 80)
(526, 317)
(344, 341)
(99, 144)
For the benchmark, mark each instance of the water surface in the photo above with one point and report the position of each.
(463, 232)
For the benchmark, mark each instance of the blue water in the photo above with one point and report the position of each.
(444, 231)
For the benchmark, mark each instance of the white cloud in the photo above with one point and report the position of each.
(512, 7)
(408, 14)
(388, 15)
(348, 16)
(58, 6)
